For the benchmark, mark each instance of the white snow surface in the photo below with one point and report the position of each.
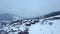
(46, 29)
(37, 28)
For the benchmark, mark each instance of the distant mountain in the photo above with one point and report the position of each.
(51, 14)
(8, 17)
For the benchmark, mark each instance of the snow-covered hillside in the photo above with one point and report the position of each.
(46, 28)
(50, 25)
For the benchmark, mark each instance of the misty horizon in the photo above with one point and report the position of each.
(29, 8)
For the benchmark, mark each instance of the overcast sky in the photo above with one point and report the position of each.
(29, 8)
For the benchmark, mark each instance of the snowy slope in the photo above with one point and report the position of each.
(42, 26)
(46, 29)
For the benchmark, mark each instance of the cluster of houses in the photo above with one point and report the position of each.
(18, 25)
